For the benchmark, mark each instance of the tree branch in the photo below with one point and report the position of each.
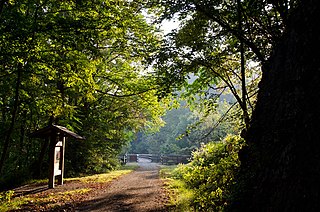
(233, 31)
(218, 122)
(125, 95)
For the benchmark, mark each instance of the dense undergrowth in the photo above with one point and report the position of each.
(205, 184)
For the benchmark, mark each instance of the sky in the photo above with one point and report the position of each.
(168, 25)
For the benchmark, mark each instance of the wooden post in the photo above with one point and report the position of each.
(61, 165)
(53, 141)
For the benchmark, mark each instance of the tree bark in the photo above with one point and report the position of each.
(13, 119)
(243, 70)
(280, 167)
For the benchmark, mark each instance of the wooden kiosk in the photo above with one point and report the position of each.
(56, 135)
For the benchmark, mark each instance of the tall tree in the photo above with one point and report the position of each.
(219, 41)
(280, 168)
(80, 62)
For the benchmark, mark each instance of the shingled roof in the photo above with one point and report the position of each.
(48, 130)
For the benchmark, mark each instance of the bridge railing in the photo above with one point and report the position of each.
(152, 157)
(163, 159)
(175, 159)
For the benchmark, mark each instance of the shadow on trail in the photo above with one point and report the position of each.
(30, 189)
(137, 188)
(116, 202)
(139, 191)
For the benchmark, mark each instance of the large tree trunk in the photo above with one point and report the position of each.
(281, 164)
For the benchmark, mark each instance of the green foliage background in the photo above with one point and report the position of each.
(80, 64)
(187, 126)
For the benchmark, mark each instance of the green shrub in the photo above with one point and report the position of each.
(6, 203)
(6, 196)
(211, 173)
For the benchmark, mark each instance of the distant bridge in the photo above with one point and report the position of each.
(152, 158)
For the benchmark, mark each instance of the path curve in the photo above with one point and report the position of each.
(139, 191)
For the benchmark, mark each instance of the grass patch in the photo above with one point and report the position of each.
(8, 203)
(39, 202)
(106, 177)
(48, 201)
(167, 171)
(130, 166)
(54, 198)
(13, 205)
(180, 195)
(38, 181)
(100, 178)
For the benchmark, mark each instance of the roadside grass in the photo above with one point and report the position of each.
(180, 195)
(8, 202)
(130, 166)
(50, 200)
(37, 181)
(100, 178)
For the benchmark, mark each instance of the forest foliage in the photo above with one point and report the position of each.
(211, 173)
(86, 65)
(187, 127)
(207, 182)
(80, 64)
(227, 45)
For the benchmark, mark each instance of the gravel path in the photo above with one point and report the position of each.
(139, 191)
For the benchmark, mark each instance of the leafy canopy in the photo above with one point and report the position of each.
(81, 64)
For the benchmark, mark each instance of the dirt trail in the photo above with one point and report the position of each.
(140, 191)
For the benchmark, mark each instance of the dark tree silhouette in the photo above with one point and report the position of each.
(281, 163)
